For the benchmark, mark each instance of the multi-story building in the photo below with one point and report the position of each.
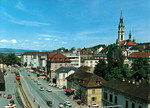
(86, 86)
(121, 94)
(35, 60)
(74, 58)
(55, 61)
(61, 75)
(91, 62)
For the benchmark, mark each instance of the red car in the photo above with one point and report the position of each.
(80, 102)
(9, 96)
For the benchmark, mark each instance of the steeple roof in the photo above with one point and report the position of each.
(121, 24)
(130, 35)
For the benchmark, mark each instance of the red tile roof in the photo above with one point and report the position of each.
(126, 42)
(139, 54)
(57, 57)
(85, 51)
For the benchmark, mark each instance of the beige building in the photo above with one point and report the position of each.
(86, 86)
(55, 61)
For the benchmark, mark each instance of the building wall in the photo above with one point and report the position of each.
(94, 93)
(90, 63)
(122, 99)
(74, 58)
(61, 78)
(54, 66)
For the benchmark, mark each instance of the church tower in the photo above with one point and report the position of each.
(121, 29)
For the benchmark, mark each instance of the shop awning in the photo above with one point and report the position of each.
(68, 90)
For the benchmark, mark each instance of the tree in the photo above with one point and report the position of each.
(114, 74)
(100, 68)
(25, 64)
(110, 57)
(72, 49)
(126, 72)
(11, 59)
(2, 58)
(142, 66)
(120, 58)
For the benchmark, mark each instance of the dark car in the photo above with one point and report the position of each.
(49, 103)
(9, 96)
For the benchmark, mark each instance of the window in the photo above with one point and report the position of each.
(116, 100)
(110, 98)
(105, 95)
(133, 105)
(93, 98)
(63, 75)
(126, 104)
(93, 91)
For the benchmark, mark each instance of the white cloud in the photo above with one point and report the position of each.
(26, 40)
(63, 42)
(14, 41)
(48, 39)
(55, 39)
(46, 35)
(4, 40)
(20, 6)
(35, 42)
(28, 23)
(24, 22)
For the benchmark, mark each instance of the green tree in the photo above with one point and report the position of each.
(25, 64)
(142, 66)
(114, 74)
(110, 58)
(100, 68)
(72, 49)
(126, 72)
(120, 58)
(2, 58)
(11, 59)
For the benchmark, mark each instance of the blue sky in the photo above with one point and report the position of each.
(51, 24)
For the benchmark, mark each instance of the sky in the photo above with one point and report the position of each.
(51, 24)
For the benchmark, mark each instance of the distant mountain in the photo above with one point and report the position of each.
(15, 51)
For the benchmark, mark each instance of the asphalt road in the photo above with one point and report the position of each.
(11, 88)
(39, 98)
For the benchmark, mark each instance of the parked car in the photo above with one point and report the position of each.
(38, 83)
(68, 103)
(61, 105)
(35, 80)
(80, 102)
(94, 105)
(49, 103)
(49, 90)
(42, 88)
(12, 102)
(9, 96)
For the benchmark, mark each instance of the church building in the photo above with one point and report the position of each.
(124, 44)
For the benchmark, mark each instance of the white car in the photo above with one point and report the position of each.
(39, 83)
(95, 105)
(41, 88)
(49, 90)
(68, 103)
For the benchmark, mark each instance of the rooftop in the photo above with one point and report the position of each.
(85, 79)
(141, 91)
(139, 54)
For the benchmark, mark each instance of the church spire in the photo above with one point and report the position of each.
(130, 35)
(121, 28)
